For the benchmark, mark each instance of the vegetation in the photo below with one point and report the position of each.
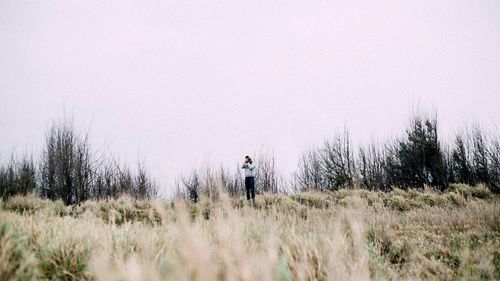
(413, 208)
(71, 171)
(413, 161)
(17, 177)
(341, 235)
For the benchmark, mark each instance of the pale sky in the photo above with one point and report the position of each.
(184, 83)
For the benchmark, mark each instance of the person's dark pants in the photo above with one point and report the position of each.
(250, 186)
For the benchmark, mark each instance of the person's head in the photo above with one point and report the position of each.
(248, 159)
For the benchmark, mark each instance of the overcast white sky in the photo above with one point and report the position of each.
(185, 83)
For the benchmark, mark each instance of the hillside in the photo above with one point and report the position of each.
(343, 235)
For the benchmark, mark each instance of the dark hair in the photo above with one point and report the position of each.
(247, 157)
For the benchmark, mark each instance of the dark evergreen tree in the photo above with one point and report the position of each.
(462, 168)
(417, 160)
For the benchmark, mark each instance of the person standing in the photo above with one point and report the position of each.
(249, 168)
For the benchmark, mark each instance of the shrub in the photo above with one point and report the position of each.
(32, 203)
(17, 262)
(352, 201)
(462, 189)
(310, 199)
(394, 250)
(455, 198)
(481, 191)
(63, 257)
(398, 203)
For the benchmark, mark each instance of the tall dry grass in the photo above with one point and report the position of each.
(345, 235)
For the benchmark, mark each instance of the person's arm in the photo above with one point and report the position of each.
(251, 166)
(245, 165)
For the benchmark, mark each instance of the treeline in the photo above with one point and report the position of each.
(71, 171)
(68, 169)
(417, 159)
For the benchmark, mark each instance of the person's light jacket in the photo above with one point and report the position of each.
(249, 170)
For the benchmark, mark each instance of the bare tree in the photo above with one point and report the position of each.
(494, 160)
(337, 161)
(310, 174)
(190, 186)
(232, 182)
(144, 187)
(480, 155)
(65, 165)
(328, 167)
(371, 165)
(70, 172)
(472, 157)
(266, 175)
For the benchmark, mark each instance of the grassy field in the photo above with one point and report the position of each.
(344, 235)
